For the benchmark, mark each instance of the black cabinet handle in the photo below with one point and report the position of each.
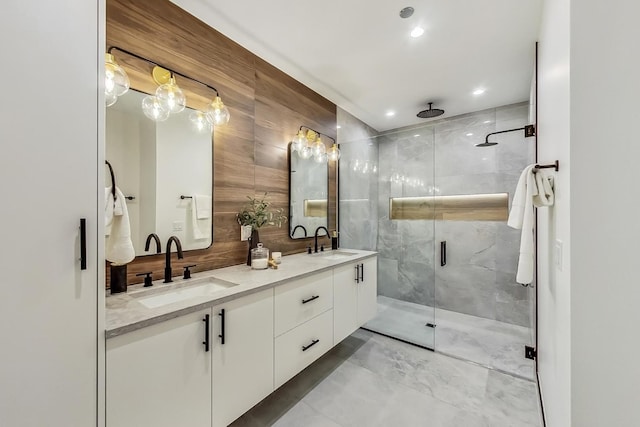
(443, 253)
(307, 347)
(221, 336)
(83, 243)
(357, 274)
(362, 272)
(206, 332)
(315, 297)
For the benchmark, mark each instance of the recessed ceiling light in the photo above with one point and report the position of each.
(478, 91)
(391, 113)
(338, 127)
(469, 134)
(417, 32)
(416, 135)
(487, 121)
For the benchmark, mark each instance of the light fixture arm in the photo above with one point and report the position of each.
(111, 48)
(529, 130)
(319, 133)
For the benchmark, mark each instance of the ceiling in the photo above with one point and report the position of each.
(358, 53)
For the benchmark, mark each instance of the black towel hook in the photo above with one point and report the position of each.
(113, 180)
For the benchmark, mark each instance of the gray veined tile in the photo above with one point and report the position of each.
(303, 415)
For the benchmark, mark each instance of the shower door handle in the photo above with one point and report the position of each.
(443, 253)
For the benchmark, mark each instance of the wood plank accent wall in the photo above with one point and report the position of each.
(250, 154)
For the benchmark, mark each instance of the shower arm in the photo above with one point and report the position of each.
(529, 130)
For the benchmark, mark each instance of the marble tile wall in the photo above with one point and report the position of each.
(358, 183)
(440, 158)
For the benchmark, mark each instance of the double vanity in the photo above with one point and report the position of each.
(209, 348)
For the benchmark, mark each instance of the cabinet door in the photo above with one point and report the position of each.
(368, 290)
(243, 365)
(160, 375)
(51, 143)
(345, 301)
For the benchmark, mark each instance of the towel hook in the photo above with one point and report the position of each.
(113, 180)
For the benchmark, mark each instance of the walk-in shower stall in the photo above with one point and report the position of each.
(435, 208)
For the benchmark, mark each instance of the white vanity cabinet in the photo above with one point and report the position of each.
(355, 291)
(243, 360)
(160, 376)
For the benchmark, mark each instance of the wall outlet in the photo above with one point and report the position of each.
(178, 225)
(245, 232)
(558, 254)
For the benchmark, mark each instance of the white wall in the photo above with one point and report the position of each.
(588, 310)
(554, 285)
(605, 213)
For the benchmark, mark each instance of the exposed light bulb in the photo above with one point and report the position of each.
(153, 109)
(299, 141)
(334, 153)
(217, 112)
(318, 148)
(322, 158)
(116, 80)
(171, 96)
(305, 152)
(199, 121)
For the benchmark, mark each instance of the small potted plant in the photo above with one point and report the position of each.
(258, 213)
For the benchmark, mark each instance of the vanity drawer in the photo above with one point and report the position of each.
(299, 347)
(301, 300)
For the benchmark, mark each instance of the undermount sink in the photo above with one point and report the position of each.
(337, 255)
(207, 288)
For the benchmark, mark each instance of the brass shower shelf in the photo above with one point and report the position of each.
(471, 207)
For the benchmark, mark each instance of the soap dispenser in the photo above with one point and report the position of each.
(334, 240)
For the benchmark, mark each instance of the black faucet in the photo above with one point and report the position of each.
(167, 266)
(299, 226)
(155, 237)
(315, 237)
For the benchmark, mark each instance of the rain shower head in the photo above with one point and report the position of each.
(430, 113)
(487, 144)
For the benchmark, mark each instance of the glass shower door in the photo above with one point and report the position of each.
(405, 237)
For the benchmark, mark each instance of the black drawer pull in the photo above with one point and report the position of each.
(307, 347)
(443, 253)
(315, 297)
(358, 273)
(206, 332)
(362, 272)
(221, 336)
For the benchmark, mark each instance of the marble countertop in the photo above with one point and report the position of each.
(125, 312)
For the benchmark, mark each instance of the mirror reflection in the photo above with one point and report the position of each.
(164, 169)
(308, 195)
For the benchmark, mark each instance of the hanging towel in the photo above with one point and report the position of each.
(533, 189)
(203, 206)
(201, 216)
(119, 247)
(111, 208)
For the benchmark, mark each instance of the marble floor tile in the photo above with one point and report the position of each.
(370, 380)
(488, 342)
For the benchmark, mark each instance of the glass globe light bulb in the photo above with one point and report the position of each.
(318, 148)
(334, 153)
(305, 153)
(116, 80)
(171, 96)
(199, 121)
(299, 141)
(110, 99)
(217, 112)
(322, 158)
(153, 109)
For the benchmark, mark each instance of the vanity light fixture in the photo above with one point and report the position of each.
(308, 143)
(116, 80)
(169, 98)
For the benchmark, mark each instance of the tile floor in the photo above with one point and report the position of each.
(370, 380)
(488, 342)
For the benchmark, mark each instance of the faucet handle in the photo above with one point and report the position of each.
(322, 248)
(187, 272)
(309, 249)
(148, 281)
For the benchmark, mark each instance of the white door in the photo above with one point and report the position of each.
(243, 364)
(49, 141)
(160, 376)
(367, 290)
(345, 301)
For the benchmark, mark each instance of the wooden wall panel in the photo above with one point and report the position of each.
(267, 107)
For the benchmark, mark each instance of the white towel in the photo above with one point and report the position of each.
(111, 208)
(118, 246)
(533, 189)
(203, 206)
(201, 217)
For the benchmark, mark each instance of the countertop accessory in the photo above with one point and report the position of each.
(187, 272)
(277, 257)
(118, 278)
(259, 257)
(334, 240)
(148, 281)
